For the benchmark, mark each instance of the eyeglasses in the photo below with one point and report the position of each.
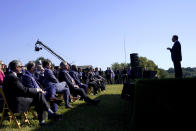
(20, 66)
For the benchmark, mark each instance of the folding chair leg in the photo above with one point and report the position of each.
(2, 115)
(33, 113)
(25, 118)
(15, 120)
(12, 116)
(90, 90)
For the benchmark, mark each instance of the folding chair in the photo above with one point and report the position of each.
(12, 116)
(90, 90)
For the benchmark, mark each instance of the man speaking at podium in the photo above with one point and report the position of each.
(176, 56)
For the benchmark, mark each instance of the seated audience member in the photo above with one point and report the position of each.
(80, 73)
(89, 81)
(51, 80)
(1, 83)
(19, 97)
(94, 79)
(56, 71)
(100, 79)
(74, 87)
(1, 74)
(5, 69)
(39, 74)
(74, 74)
(28, 80)
(84, 75)
(96, 71)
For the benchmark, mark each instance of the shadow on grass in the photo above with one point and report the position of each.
(112, 114)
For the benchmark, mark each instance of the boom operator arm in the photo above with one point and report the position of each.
(38, 46)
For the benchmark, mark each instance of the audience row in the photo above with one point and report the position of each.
(38, 85)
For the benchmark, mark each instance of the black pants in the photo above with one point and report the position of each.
(41, 105)
(85, 87)
(82, 93)
(108, 77)
(117, 80)
(101, 85)
(94, 85)
(78, 91)
(177, 69)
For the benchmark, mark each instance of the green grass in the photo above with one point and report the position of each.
(112, 114)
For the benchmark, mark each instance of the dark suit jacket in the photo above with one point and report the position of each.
(18, 96)
(75, 76)
(50, 81)
(27, 80)
(176, 54)
(49, 78)
(64, 76)
(39, 76)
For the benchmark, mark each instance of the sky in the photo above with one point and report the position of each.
(94, 32)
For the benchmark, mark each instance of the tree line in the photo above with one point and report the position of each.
(150, 65)
(145, 64)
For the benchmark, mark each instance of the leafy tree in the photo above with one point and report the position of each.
(170, 70)
(147, 64)
(39, 61)
(187, 72)
(143, 62)
(161, 73)
(116, 65)
(151, 65)
(119, 66)
(124, 65)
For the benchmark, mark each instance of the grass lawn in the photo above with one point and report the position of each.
(112, 114)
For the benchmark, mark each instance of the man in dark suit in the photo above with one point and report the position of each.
(74, 87)
(74, 74)
(108, 74)
(176, 56)
(91, 82)
(51, 80)
(28, 80)
(19, 97)
(100, 80)
(86, 77)
(39, 74)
